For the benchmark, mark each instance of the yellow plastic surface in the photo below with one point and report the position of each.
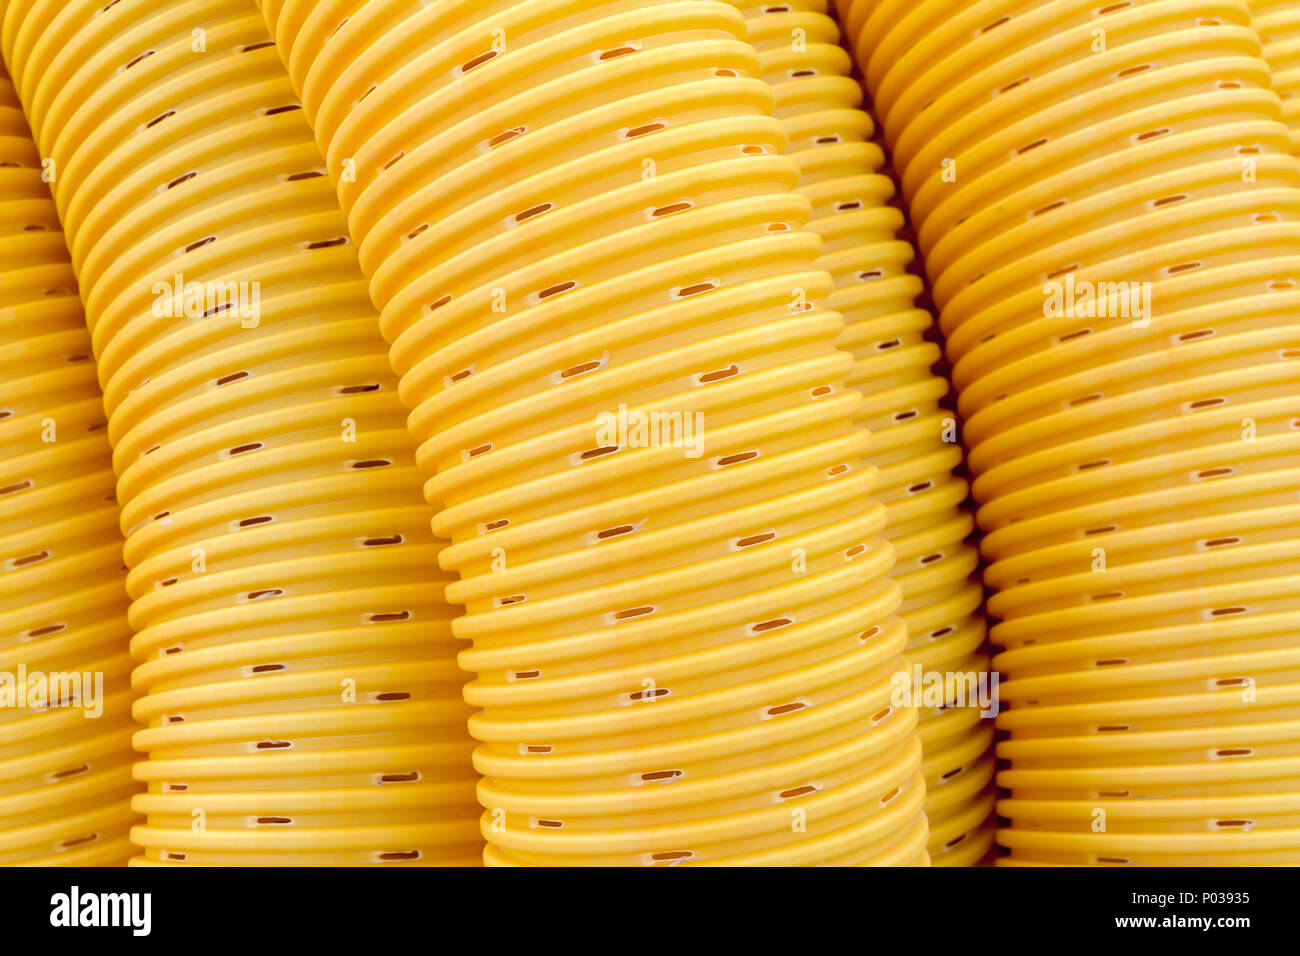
(1137, 479)
(1278, 24)
(564, 208)
(830, 136)
(65, 754)
(296, 670)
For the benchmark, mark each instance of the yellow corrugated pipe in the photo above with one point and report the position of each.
(65, 695)
(610, 324)
(1109, 213)
(296, 668)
